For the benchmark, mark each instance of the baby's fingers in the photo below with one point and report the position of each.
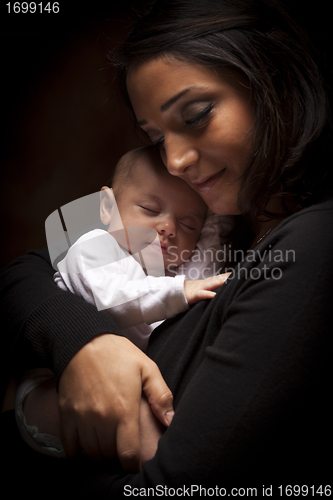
(216, 281)
(205, 294)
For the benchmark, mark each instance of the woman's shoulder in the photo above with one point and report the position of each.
(314, 222)
(308, 233)
(323, 207)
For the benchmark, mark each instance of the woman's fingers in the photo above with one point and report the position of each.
(99, 400)
(69, 436)
(128, 442)
(106, 436)
(88, 443)
(158, 393)
(151, 430)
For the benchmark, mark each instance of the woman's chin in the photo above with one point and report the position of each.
(221, 207)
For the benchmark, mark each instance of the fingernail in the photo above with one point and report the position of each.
(169, 416)
(225, 276)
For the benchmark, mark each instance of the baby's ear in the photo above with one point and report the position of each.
(107, 200)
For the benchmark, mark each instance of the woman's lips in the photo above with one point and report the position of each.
(207, 183)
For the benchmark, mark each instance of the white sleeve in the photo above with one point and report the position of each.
(98, 270)
(208, 256)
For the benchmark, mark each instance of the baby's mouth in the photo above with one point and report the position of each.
(160, 247)
(165, 249)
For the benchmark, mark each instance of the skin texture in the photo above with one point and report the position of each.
(167, 204)
(201, 119)
(100, 418)
(41, 409)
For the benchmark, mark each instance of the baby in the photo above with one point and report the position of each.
(132, 273)
(123, 271)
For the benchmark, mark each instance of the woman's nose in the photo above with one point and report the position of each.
(180, 155)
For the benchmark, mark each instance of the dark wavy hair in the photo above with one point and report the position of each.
(259, 39)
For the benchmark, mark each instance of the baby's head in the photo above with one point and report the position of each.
(147, 195)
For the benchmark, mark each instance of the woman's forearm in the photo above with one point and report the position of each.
(59, 330)
(40, 318)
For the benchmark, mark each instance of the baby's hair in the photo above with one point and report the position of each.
(130, 165)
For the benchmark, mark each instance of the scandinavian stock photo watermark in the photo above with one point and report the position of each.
(268, 262)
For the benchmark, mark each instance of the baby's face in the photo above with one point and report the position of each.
(167, 204)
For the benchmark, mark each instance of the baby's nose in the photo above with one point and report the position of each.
(167, 227)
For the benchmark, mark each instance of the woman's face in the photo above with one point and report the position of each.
(201, 119)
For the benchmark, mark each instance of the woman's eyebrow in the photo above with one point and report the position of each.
(175, 98)
(171, 101)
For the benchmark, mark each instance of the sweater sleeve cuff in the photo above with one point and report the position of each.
(176, 302)
(182, 300)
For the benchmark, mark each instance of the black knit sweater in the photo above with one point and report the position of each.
(249, 369)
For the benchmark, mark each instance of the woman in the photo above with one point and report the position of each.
(229, 93)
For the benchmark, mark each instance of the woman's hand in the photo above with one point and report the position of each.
(151, 430)
(99, 400)
(196, 290)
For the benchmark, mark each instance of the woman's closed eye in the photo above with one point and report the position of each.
(200, 117)
(158, 142)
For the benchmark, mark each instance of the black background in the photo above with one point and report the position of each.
(63, 123)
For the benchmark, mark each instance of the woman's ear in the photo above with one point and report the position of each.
(107, 200)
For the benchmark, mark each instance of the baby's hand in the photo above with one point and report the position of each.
(196, 290)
